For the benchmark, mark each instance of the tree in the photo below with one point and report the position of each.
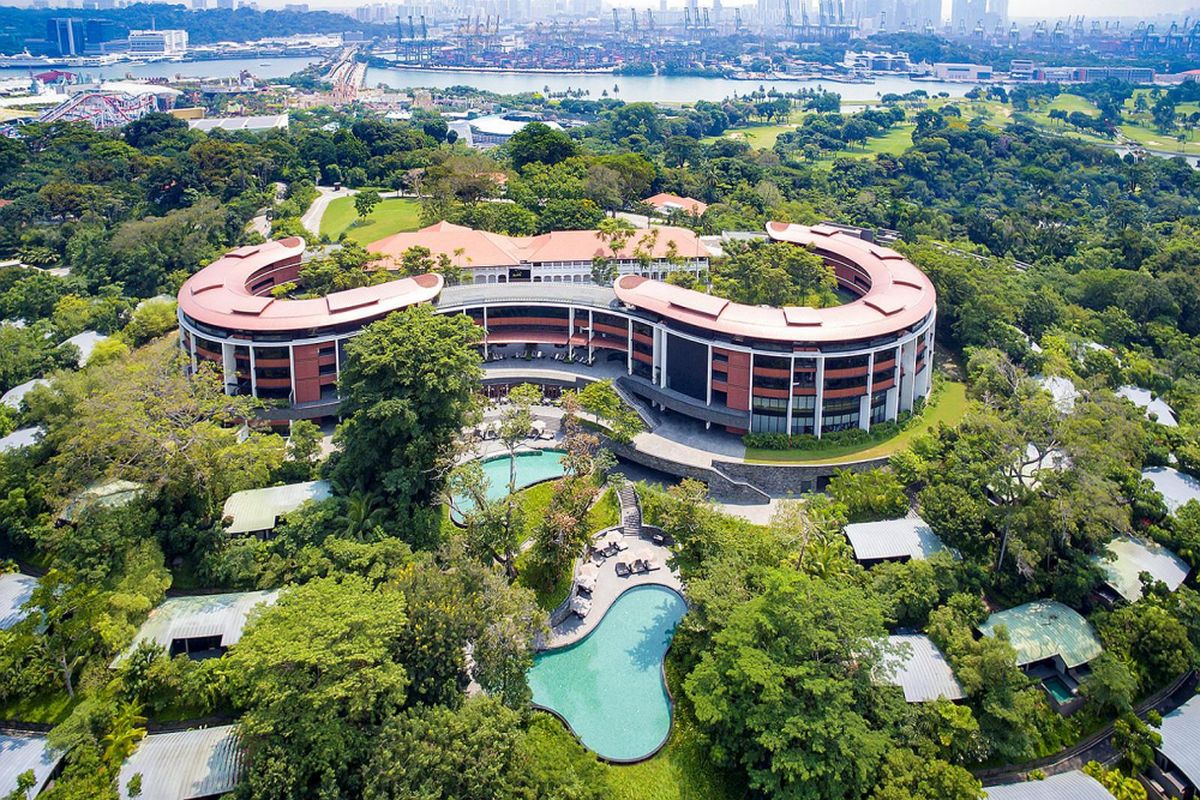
(316, 675)
(1111, 685)
(906, 776)
(870, 495)
(475, 751)
(365, 202)
(776, 274)
(407, 387)
(538, 142)
(1121, 787)
(784, 691)
(1136, 740)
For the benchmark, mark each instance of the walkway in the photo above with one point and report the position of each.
(635, 541)
(326, 195)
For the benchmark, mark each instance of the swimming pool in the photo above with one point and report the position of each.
(609, 686)
(533, 467)
(1058, 689)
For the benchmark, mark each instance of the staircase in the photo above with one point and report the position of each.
(631, 512)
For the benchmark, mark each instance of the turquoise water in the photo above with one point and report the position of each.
(532, 467)
(1058, 689)
(609, 687)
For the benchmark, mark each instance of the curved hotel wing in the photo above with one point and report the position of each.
(744, 368)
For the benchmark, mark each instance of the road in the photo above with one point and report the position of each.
(327, 194)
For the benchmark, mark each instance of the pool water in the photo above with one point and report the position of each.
(609, 686)
(1058, 689)
(532, 467)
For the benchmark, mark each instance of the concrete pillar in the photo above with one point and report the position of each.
(253, 373)
(292, 372)
(864, 408)
(570, 330)
(791, 392)
(663, 360)
(228, 367)
(708, 384)
(908, 356)
(750, 395)
(819, 404)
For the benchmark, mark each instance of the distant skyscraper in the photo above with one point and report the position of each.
(225, 4)
(66, 35)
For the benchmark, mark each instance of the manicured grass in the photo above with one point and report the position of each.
(1150, 138)
(46, 708)
(1071, 103)
(758, 135)
(893, 142)
(948, 406)
(603, 514)
(393, 215)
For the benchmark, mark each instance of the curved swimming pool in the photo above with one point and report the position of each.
(533, 466)
(609, 686)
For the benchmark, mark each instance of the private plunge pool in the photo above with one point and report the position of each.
(609, 686)
(533, 466)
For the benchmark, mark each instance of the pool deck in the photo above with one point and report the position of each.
(610, 586)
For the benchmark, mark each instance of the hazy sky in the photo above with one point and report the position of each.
(1096, 8)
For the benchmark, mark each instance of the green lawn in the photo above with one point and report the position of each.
(1147, 136)
(948, 406)
(393, 215)
(47, 708)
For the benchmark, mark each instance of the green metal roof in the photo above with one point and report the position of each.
(1044, 629)
(258, 509)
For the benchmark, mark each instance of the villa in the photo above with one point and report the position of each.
(111, 493)
(256, 512)
(16, 395)
(922, 671)
(1054, 644)
(1132, 557)
(1176, 768)
(201, 626)
(20, 439)
(1073, 785)
(15, 591)
(665, 203)
(199, 764)
(905, 539)
(1177, 488)
(1155, 407)
(1062, 391)
(20, 753)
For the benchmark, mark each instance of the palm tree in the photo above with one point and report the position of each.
(127, 730)
(362, 514)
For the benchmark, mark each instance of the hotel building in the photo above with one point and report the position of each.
(740, 367)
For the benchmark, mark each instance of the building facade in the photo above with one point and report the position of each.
(170, 42)
(738, 367)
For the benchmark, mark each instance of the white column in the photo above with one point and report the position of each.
(819, 402)
(628, 346)
(570, 330)
(791, 383)
(908, 378)
(708, 386)
(663, 360)
(485, 333)
(228, 367)
(591, 333)
(864, 408)
(292, 372)
(253, 372)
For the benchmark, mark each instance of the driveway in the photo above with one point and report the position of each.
(327, 194)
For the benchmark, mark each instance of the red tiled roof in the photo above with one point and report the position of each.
(481, 249)
(666, 202)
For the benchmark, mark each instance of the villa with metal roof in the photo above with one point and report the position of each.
(1177, 760)
(893, 540)
(1062, 391)
(1073, 785)
(16, 395)
(20, 439)
(85, 343)
(256, 512)
(111, 493)
(1155, 407)
(15, 591)
(21, 753)
(1132, 557)
(1177, 488)
(186, 765)
(202, 626)
(921, 670)
(1045, 630)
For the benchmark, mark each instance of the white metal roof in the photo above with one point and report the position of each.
(86, 342)
(257, 122)
(15, 590)
(922, 671)
(1145, 399)
(1135, 556)
(185, 765)
(1072, 785)
(1176, 487)
(21, 438)
(1180, 733)
(22, 753)
(13, 397)
(909, 537)
(200, 616)
(1062, 390)
(258, 509)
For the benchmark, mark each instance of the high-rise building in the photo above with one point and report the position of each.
(166, 42)
(226, 4)
(966, 14)
(66, 35)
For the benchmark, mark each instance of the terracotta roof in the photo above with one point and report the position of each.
(481, 249)
(4, 202)
(899, 297)
(666, 202)
(220, 294)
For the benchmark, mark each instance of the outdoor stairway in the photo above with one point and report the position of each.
(631, 512)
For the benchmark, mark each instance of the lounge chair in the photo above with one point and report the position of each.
(623, 570)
